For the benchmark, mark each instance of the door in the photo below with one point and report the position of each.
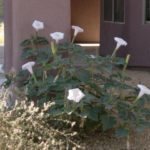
(112, 24)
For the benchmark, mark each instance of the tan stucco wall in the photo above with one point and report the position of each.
(19, 15)
(86, 13)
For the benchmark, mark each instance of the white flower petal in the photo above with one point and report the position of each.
(143, 90)
(120, 42)
(77, 30)
(140, 94)
(92, 56)
(57, 36)
(28, 66)
(38, 25)
(75, 95)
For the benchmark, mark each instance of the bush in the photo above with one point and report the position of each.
(89, 90)
(27, 127)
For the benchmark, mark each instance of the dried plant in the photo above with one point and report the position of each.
(28, 127)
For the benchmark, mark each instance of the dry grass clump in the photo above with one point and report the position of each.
(28, 127)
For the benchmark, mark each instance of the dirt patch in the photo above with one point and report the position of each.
(139, 76)
(136, 142)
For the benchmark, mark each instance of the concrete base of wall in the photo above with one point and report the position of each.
(90, 48)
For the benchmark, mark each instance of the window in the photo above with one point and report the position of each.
(114, 10)
(119, 10)
(108, 6)
(147, 10)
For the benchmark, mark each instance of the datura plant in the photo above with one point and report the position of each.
(88, 89)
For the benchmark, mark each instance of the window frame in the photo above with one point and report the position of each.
(113, 14)
(145, 21)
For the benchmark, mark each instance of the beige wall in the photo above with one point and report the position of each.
(19, 15)
(86, 13)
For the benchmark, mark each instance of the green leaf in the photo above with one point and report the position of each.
(43, 89)
(56, 111)
(83, 75)
(26, 43)
(59, 101)
(146, 112)
(43, 55)
(108, 68)
(142, 125)
(42, 100)
(123, 110)
(108, 101)
(89, 98)
(95, 87)
(108, 122)
(119, 61)
(92, 113)
(41, 41)
(122, 132)
(28, 54)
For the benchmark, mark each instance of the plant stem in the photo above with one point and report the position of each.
(34, 78)
(82, 123)
(44, 75)
(136, 100)
(73, 39)
(32, 44)
(123, 73)
(114, 53)
(126, 63)
(90, 90)
(58, 74)
(53, 48)
(36, 34)
(128, 142)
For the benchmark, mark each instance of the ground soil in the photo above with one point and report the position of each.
(139, 76)
(104, 142)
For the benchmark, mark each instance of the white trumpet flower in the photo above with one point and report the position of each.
(120, 42)
(28, 66)
(57, 36)
(38, 25)
(77, 30)
(75, 95)
(143, 90)
(92, 56)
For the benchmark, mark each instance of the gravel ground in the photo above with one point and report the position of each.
(141, 76)
(136, 142)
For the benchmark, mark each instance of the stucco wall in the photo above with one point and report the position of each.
(138, 34)
(86, 13)
(19, 15)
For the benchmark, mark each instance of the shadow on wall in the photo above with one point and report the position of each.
(86, 13)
